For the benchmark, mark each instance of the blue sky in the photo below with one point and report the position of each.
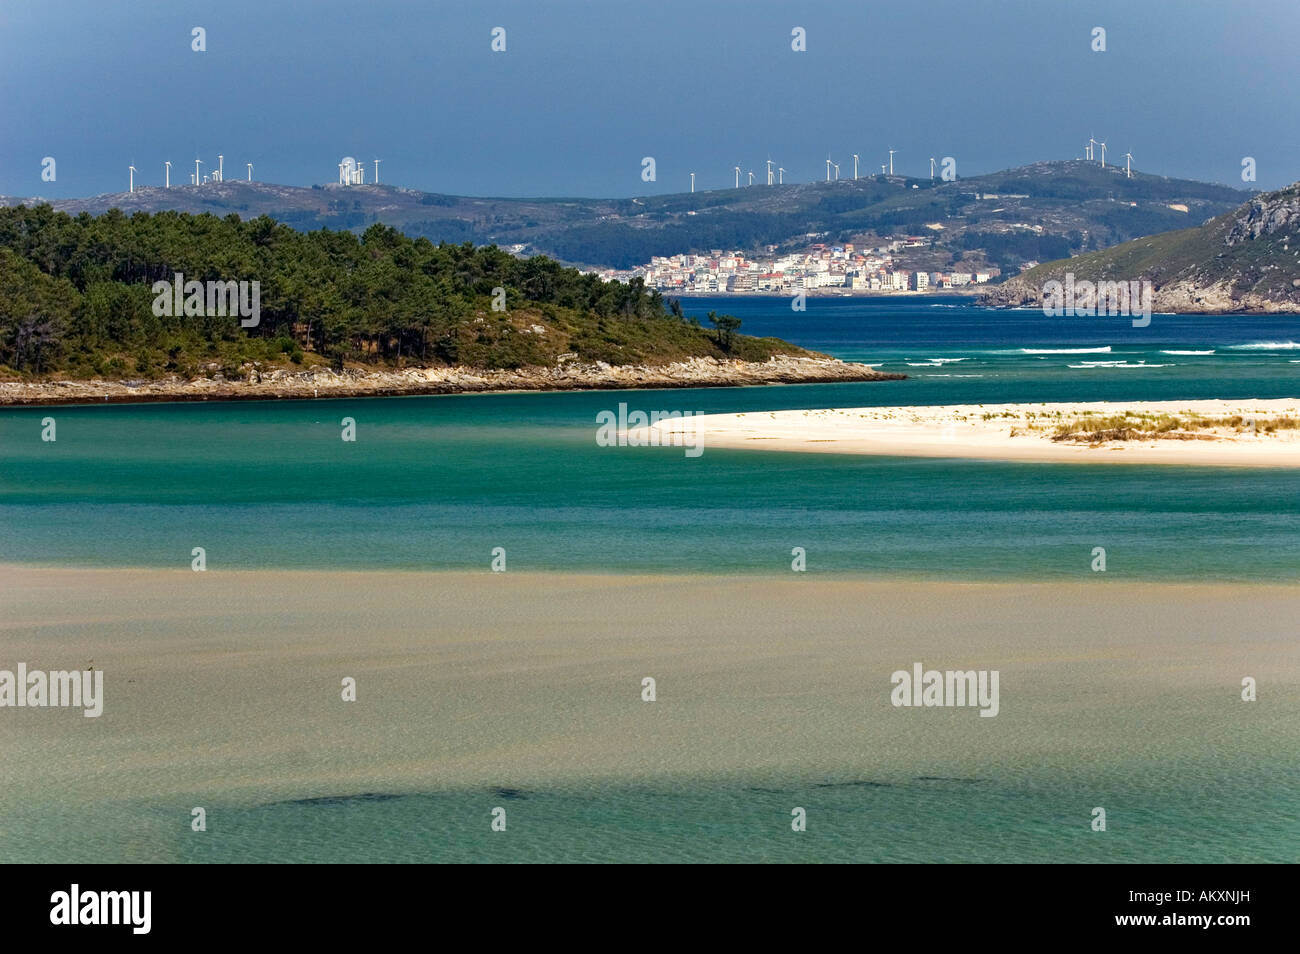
(585, 90)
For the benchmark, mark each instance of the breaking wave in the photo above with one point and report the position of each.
(1103, 350)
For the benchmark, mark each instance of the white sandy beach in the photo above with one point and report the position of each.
(997, 431)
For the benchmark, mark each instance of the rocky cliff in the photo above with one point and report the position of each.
(1245, 261)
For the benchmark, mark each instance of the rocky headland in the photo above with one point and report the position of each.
(257, 384)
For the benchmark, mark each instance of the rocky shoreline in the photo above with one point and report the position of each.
(1238, 263)
(1176, 298)
(260, 385)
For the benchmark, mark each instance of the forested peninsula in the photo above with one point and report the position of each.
(173, 305)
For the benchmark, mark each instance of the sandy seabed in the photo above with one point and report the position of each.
(228, 684)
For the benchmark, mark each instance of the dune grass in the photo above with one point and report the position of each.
(1130, 426)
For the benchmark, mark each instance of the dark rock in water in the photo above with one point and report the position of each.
(941, 778)
(342, 799)
(511, 793)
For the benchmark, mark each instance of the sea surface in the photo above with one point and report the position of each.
(922, 820)
(439, 482)
(435, 483)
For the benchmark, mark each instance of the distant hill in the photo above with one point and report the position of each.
(1033, 213)
(1247, 260)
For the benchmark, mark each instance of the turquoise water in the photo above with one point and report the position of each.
(1203, 819)
(438, 482)
(919, 820)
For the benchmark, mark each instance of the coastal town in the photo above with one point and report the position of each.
(843, 269)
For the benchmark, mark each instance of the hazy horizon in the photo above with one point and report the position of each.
(583, 92)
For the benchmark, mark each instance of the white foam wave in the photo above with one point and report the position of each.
(1118, 364)
(934, 362)
(1105, 350)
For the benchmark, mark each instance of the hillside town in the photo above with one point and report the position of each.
(820, 267)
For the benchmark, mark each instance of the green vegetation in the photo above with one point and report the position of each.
(1248, 251)
(1008, 250)
(726, 325)
(76, 299)
(1129, 426)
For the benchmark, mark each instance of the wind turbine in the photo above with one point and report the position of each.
(932, 168)
(197, 163)
(250, 171)
(751, 176)
(882, 168)
(1103, 154)
(769, 172)
(828, 168)
(692, 182)
(377, 162)
(131, 187)
(855, 167)
(780, 176)
(221, 168)
(837, 171)
(891, 161)
(167, 173)
(737, 177)
(1128, 165)
(1091, 151)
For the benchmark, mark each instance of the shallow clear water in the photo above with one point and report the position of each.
(916, 820)
(436, 483)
